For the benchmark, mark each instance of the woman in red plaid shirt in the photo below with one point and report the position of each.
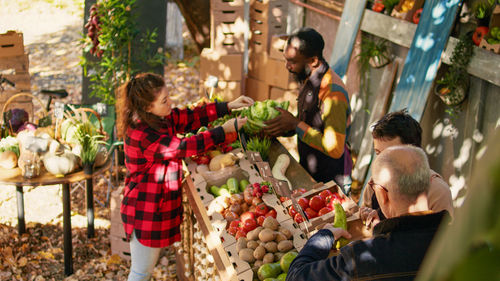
(151, 208)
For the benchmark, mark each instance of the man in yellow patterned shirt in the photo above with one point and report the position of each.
(323, 120)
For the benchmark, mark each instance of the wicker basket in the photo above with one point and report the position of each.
(11, 99)
(78, 113)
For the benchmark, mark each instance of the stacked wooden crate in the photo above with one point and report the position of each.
(268, 77)
(14, 66)
(117, 236)
(224, 58)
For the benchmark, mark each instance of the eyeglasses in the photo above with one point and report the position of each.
(371, 184)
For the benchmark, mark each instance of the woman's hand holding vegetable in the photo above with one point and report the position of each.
(281, 124)
(241, 101)
(229, 126)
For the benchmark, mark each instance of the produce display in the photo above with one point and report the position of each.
(268, 249)
(315, 205)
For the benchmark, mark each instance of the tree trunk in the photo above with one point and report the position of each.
(197, 16)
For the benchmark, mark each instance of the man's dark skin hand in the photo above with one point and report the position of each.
(283, 123)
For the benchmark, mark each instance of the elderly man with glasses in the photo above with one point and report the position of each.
(400, 182)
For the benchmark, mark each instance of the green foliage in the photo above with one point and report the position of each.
(370, 49)
(482, 9)
(460, 58)
(389, 5)
(89, 139)
(118, 31)
(260, 145)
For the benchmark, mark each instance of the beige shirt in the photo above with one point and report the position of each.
(438, 195)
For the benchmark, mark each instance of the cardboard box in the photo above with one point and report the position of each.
(270, 70)
(256, 89)
(225, 67)
(281, 95)
(228, 90)
(274, 12)
(11, 44)
(228, 31)
(217, 5)
(277, 46)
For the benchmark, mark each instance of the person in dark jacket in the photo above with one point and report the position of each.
(400, 181)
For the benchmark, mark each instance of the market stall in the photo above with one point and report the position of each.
(260, 242)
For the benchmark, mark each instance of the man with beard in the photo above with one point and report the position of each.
(323, 120)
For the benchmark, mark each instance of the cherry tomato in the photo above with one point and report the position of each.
(311, 213)
(324, 194)
(292, 212)
(247, 215)
(249, 225)
(316, 203)
(324, 211)
(261, 210)
(298, 218)
(283, 199)
(271, 213)
(240, 233)
(232, 230)
(303, 202)
(479, 33)
(235, 223)
(260, 220)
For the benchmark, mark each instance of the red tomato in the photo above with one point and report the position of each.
(283, 199)
(249, 225)
(316, 203)
(298, 218)
(271, 213)
(311, 213)
(324, 194)
(324, 211)
(240, 233)
(261, 210)
(292, 212)
(232, 230)
(260, 220)
(378, 7)
(416, 16)
(479, 33)
(235, 223)
(303, 202)
(247, 215)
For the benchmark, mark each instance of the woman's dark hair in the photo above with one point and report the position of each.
(398, 124)
(134, 98)
(311, 43)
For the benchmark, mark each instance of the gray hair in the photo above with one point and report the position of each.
(411, 173)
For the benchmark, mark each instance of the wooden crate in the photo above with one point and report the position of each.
(11, 44)
(227, 31)
(117, 236)
(218, 5)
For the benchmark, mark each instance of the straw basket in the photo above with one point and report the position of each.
(11, 99)
(81, 114)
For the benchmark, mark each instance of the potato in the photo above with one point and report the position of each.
(268, 258)
(286, 231)
(241, 244)
(253, 244)
(267, 235)
(259, 252)
(258, 264)
(277, 256)
(254, 234)
(271, 247)
(271, 223)
(246, 255)
(285, 246)
(280, 237)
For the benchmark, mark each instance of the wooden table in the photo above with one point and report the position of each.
(14, 177)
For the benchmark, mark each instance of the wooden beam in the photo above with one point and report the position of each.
(484, 64)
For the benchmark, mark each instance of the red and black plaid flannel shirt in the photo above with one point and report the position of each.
(152, 197)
